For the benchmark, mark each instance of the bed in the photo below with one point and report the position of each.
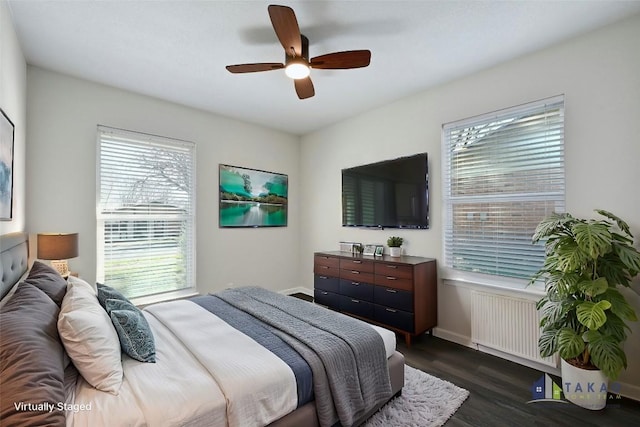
(240, 357)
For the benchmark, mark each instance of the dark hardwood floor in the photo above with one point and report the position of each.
(500, 389)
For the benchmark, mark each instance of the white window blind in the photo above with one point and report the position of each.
(145, 212)
(502, 173)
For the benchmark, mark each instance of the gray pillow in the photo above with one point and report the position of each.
(48, 281)
(134, 333)
(32, 359)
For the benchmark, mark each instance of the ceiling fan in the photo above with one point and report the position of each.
(296, 49)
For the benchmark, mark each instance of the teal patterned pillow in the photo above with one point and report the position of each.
(107, 292)
(136, 338)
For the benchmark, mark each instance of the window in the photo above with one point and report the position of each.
(502, 173)
(145, 212)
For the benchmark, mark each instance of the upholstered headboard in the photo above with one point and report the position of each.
(14, 260)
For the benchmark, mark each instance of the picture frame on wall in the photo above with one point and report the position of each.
(7, 130)
(251, 198)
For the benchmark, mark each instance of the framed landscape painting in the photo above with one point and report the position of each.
(252, 198)
(6, 167)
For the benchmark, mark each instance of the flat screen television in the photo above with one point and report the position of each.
(388, 194)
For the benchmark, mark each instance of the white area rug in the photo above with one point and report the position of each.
(426, 401)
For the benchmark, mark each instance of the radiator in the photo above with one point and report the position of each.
(507, 324)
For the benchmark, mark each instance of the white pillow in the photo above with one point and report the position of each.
(74, 281)
(90, 338)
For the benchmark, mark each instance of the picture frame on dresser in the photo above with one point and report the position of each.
(7, 131)
(369, 250)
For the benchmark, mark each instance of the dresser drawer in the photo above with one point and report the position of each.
(358, 290)
(393, 298)
(329, 261)
(355, 264)
(326, 283)
(356, 306)
(356, 276)
(325, 270)
(395, 318)
(328, 299)
(394, 270)
(394, 282)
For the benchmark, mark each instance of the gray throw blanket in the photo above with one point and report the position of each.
(347, 358)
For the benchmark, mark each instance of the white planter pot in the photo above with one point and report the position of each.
(395, 252)
(584, 388)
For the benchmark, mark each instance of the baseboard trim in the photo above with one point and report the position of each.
(453, 337)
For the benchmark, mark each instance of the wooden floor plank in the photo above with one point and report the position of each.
(499, 390)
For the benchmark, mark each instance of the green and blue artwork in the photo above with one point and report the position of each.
(252, 198)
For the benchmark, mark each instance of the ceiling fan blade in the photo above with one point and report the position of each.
(286, 27)
(342, 60)
(253, 68)
(304, 88)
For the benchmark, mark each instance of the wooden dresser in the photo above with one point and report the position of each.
(397, 293)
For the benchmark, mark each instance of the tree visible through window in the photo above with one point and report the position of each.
(145, 212)
(503, 173)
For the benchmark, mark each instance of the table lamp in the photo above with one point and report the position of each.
(58, 248)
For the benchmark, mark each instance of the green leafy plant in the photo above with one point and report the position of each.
(583, 314)
(394, 241)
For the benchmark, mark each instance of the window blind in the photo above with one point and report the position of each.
(145, 212)
(502, 173)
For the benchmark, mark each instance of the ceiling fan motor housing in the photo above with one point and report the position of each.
(305, 51)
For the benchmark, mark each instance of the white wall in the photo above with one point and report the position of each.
(599, 74)
(63, 113)
(13, 101)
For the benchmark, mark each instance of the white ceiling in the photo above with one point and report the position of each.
(177, 50)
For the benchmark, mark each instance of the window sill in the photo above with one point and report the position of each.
(494, 284)
(164, 297)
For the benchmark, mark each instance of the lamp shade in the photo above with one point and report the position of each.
(57, 246)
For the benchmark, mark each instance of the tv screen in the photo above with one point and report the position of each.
(388, 194)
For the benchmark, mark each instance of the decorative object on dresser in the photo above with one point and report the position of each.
(395, 245)
(399, 293)
(58, 247)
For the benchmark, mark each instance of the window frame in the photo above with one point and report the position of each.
(450, 273)
(186, 217)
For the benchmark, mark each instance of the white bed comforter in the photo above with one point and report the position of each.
(207, 373)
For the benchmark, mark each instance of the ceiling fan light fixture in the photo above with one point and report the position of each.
(297, 69)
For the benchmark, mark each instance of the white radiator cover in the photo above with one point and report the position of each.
(507, 324)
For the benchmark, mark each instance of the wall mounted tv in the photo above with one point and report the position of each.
(388, 194)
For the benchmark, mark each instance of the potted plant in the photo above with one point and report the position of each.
(395, 243)
(583, 315)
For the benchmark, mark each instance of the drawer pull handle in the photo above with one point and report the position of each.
(324, 266)
(355, 283)
(355, 300)
(324, 293)
(393, 291)
(392, 266)
(355, 272)
(355, 261)
(323, 277)
(391, 278)
(391, 310)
